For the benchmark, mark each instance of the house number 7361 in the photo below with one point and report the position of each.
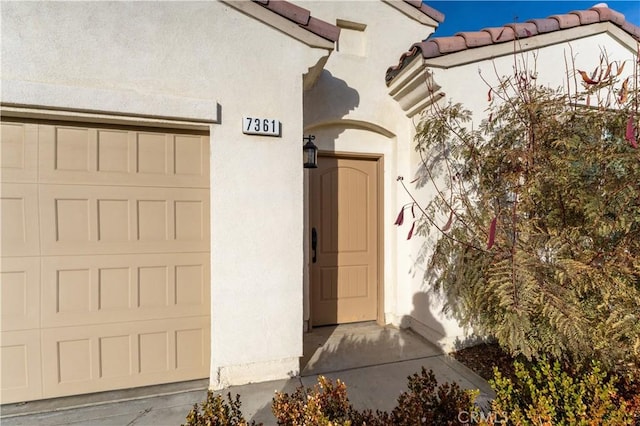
(260, 126)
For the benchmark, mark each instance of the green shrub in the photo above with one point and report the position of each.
(546, 394)
(216, 411)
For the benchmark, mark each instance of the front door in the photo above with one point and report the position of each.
(344, 255)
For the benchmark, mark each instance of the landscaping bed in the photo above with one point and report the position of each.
(484, 357)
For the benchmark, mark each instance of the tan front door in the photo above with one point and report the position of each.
(105, 258)
(344, 219)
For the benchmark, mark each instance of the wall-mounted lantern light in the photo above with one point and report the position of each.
(310, 153)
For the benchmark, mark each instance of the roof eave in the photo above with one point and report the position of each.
(414, 88)
(422, 15)
(468, 47)
(289, 26)
(491, 51)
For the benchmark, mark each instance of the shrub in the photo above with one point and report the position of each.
(324, 404)
(543, 213)
(428, 403)
(546, 394)
(425, 402)
(629, 388)
(215, 411)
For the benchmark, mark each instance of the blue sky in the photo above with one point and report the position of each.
(475, 15)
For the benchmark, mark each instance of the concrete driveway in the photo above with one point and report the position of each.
(373, 361)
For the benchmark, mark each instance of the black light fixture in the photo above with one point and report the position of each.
(310, 153)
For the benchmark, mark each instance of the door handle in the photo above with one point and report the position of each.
(314, 244)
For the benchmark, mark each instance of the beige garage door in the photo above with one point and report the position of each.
(105, 258)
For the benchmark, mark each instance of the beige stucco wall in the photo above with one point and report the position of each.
(459, 76)
(204, 64)
(349, 111)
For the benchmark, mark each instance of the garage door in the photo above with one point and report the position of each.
(105, 258)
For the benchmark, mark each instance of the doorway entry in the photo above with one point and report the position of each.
(344, 205)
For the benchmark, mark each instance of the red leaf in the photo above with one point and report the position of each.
(528, 32)
(630, 134)
(447, 225)
(492, 233)
(413, 214)
(411, 231)
(489, 95)
(400, 220)
(586, 78)
(490, 117)
(415, 180)
(620, 68)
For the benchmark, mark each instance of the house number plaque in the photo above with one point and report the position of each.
(260, 126)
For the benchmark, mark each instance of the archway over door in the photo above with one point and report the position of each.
(345, 198)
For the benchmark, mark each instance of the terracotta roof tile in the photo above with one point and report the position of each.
(567, 20)
(429, 47)
(476, 39)
(449, 44)
(501, 34)
(302, 17)
(294, 13)
(522, 30)
(408, 56)
(431, 12)
(634, 30)
(414, 3)
(323, 29)
(468, 40)
(587, 16)
(545, 25)
(427, 10)
(607, 14)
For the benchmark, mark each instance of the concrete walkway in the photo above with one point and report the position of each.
(373, 361)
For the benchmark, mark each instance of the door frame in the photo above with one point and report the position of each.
(379, 159)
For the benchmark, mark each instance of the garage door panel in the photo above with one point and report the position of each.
(104, 156)
(106, 289)
(19, 148)
(111, 219)
(112, 356)
(21, 371)
(105, 269)
(20, 293)
(19, 220)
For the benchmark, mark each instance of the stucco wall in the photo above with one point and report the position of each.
(199, 62)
